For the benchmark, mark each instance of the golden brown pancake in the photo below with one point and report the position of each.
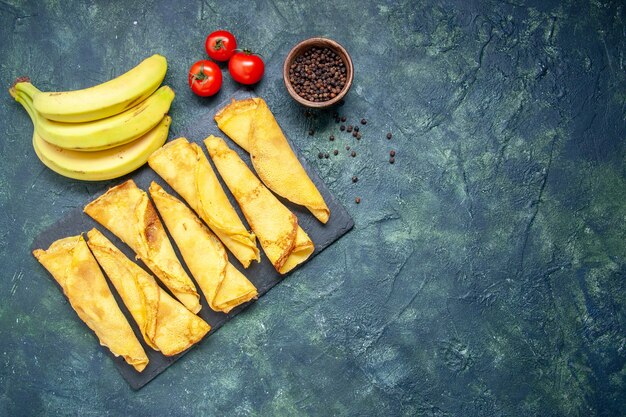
(283, 241)
(251, 124)
(127, 212)
(73, 266)
(222, 284)
(186, 169)
(166, 325)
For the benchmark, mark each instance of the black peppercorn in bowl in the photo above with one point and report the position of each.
(318, 72)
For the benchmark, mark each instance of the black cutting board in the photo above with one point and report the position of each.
(262, 275)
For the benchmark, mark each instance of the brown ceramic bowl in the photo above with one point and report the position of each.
(320, 43)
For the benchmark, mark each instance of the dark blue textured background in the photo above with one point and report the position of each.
(486, 273)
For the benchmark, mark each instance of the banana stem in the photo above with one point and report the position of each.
(27, 88)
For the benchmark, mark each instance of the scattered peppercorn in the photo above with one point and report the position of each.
(355, 133)
(355, 179)
(353, 154)
(342, 128)
(320, 155)
(392, 153)
(311, 132)
(356, 128)
(358, 136)
(347, 147)
(331, 138)
(318, 74)
(335, 114)
(335, 152)
(392, 160)
(326, 155)
(357, 200)
(343, 118)
(389, 135)
(363, 121)
(349, 128)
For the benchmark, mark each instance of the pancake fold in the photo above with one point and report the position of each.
(73, 266)
(186, 169)
(166, 325)
(282, 239)
(128, 213)
(251, 124)
(222, 284)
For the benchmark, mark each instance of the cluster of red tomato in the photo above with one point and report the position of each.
(205, 77)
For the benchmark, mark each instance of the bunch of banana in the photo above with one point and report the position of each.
(101, 132)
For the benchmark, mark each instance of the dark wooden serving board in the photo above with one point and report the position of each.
(263, 275)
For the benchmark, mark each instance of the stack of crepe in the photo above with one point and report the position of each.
(186, 169)
(128, 213)
(170, 324)
(251, 124)
(283, 240)
(164, 323)
(221, 283)
(74, 268)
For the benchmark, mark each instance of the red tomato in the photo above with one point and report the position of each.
(220, 45)
(246, 67)
(205, 78)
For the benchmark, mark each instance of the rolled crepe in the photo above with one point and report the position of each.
(127, 212)
(251, 124)
(77, 272)
(166, 325)
(222, 284)
(186, 169)
(284, 242)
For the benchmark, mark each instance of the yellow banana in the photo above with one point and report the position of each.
(104, 133)
(106, 164)
(103, 100)
(99, 165)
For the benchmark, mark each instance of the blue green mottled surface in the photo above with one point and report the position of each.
(486, 274)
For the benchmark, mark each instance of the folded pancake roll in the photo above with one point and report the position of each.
(222, 284)
(251, 124)
(186, 169)
(166, 325)
(284, 242)
(127, 211)
(73, 266)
